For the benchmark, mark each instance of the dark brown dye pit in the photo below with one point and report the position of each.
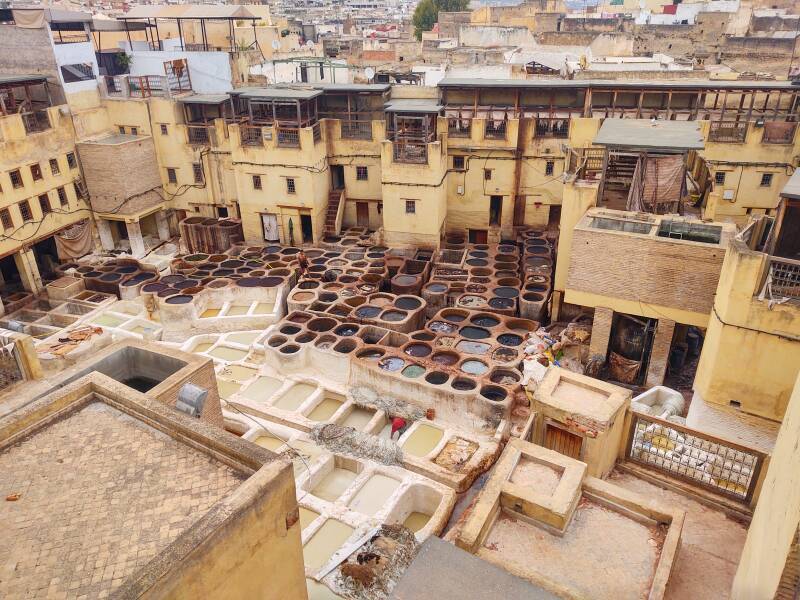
(486, 321)
(462, 384)
(321, 324)
(182, 299)
(474, 333)
(346, 330)
(126, 270)
(231, 264)
(423, 336)
(418, 350)
(407, 303)
(271, 281)
(454, 317)
(505, 377)
(436, 378)
(367, 312)
(308, 285)
(504, 355)
(249, 282)
(477, 262)
(289, 329)
(445, 358)
(370, 354)
(290, 349)
(405, 280)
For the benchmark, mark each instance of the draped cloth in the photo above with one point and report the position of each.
(74, 241)
(659, 184)
(28, 18)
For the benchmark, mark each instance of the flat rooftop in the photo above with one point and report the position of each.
(644, 134)
(100, 495)
(114, 139)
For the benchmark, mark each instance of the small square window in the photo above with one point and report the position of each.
(36, 172)
(5, 218)
(222, 212)
(44, 204)
(172, 176)
(54, 168)
(380, 208)
(25, 211)
(411, 207)
(197, 170)
(16, 178)
(71, 162)
(134, 131)
(164, 130)
(121, 129)
(719, 177)
(766, 179)
(458, 163)
(362, 174)
(290, 188)
(62, 196)
(487, 174)
(256, 182)
(549, 167)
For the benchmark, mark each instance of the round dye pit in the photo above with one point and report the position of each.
(413, 371)
(509, 339)
(441, 327)
(276, 340)
(506, 292)
(423, 336)
(418, 350)
(454, 317)
(346, 330)
(393, 316)
(407, 303)
(477, 262)
(370, 354)
(322, 324)
(486, 321)
(437, 377)
(504, 377)
(182, 299)
(367, 312)
(462, 384)
(345, 346)
(436, 288)
(474, 333)
(289, 349)
(501, 303)
(493, 393)
(474, 367)
(306, 338)
(472, 347)
(504, 355)
(289, 329)
(445, 358)
(392, 364)
(533, 297)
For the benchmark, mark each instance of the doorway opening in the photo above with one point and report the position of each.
(307, 228)
(362, 214)
(478, 236)
(495, 209)
(337, 177)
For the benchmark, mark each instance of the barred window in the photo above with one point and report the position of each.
(5, 218)
(257, 182)
(25, 211)
(458, 162)
(411, 207)
(36, 172)
(44, 204)
(71, 162)
(766, 179)
(62, 196)
(719, 177)
(362, 174)
(16, 178)
(54, 168)
(290, 188)
(164, 130)
(197, 170)
(549, 167)
(172, 176)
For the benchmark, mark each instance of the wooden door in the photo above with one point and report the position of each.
(562, 441)
(362, 214)
(478, 236)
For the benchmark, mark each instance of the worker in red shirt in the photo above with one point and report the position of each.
(399, 426)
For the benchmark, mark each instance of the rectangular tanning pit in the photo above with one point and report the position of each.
(334, 478)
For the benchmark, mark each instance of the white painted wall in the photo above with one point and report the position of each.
(336, 71)
(77, 53)
(210, 71)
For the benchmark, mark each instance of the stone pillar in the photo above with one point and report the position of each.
(135, 238)
(25, 260)
(106, 237)
(659, 355)
(555, 305)
(163, 225)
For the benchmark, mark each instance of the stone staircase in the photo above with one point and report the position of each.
(334, 198)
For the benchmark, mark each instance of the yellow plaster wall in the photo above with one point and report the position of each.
(776, 517)
(751, 353)
(578, 197)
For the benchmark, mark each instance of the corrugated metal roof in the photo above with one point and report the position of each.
(414, 105)
(355, 87)
(20, 79)
(792, 188)
(668, 136)
(689, 84)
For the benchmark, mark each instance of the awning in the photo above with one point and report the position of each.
(792, 188)
(414, 105)
(643, 134)
(189, 11)
(102, 25)
(204, 99)
(280, 94)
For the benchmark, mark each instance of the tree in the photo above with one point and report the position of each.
(427, 13)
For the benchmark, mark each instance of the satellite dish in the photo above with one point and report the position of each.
(369, 72)
(309, 44)
(276, 45)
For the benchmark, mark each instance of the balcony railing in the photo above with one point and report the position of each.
(783, 278)
(727, 131)
(200, 135)
(495, 130)
(251, 135)
(461, 128)
(410, 152)
(779, 132)
(35, 121)
(552, 127)
(693, 456)
(146, 86)
(357, 130)
(288, 137)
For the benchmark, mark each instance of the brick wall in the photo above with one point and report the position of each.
(653, 271)
(122, 171)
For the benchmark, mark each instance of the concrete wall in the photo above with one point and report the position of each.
(751, 352)
(489, 35)
(777, 515)
(29, 51)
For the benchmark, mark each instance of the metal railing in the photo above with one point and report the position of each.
(410, 152)
(357, 130)
(115, 85)
(459, 127)
(316, 132)
(552, 127)
(35, 121)
(727, 131)
(145, 86)
(288, 137)
(495, 130)
(200, 135)
(251, 135)
(783, 278)
(778, 132)
(677, 451)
